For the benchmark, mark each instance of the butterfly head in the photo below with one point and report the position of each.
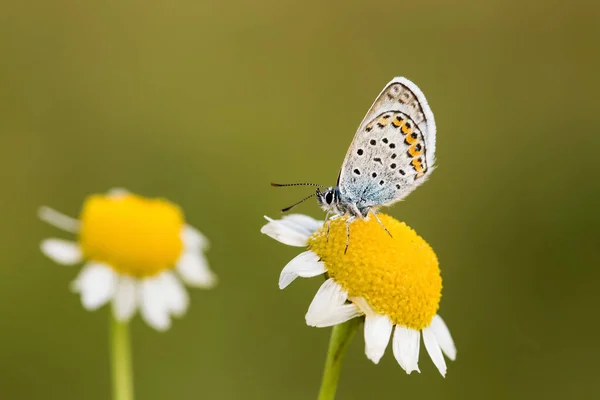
(329, 199)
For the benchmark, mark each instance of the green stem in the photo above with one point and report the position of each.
(121, 360)
(341, 335)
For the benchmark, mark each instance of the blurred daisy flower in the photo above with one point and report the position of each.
(136, 252)
(394, 283)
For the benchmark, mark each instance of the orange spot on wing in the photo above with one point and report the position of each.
(410, 139)
(383, 121)
(417, 164)
(414, 152)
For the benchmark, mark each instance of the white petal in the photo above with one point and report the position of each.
(328, 307)
(193, 269)
(362, 305)
(193, 239)
(153, 305)
(117, 192)
(97, 283)
(300, 220)
(175, 294)
(293, 230)
(442, 335)
(125, 299)
(306, 265)
(406, 345)
(433, 348)
(378, 329)
(58, 220)
(61, 251)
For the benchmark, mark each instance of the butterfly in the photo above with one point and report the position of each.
(392, 153)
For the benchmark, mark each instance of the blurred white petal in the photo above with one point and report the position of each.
(117, 192)
(193, 239)
(175, 294)
(153, 305)
(194, 270)
(96, 283)
(62, 251)
(125, 298)
(58, 220)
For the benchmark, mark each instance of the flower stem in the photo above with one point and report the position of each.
(121, 360)
(341, 335)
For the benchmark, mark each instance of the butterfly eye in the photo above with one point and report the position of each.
(329, 197)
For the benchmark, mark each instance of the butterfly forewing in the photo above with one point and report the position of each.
(393, 149)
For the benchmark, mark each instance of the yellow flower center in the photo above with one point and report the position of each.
(134, 235)
(398, 276)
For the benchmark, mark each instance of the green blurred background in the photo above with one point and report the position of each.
(206, 102)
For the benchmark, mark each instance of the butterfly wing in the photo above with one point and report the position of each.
(393, 150)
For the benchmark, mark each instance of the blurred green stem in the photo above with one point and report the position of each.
(341, 335)
(121, 360)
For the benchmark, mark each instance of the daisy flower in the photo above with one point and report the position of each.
(136, 252)
(394, 282)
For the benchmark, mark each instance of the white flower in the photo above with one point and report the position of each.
(393, 282)
(136, 252)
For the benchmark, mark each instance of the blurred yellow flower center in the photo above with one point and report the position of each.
(398, 276)
(134, 235)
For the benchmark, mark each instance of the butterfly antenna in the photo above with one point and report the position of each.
(295, 204)
(297, 184)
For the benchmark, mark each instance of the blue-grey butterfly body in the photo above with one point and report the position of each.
(392, 153)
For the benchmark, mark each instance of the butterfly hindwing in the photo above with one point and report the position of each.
(393, 149)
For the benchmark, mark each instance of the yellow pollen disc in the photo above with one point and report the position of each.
(132, 234)
(398, 276)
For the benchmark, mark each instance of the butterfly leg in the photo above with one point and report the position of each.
(329, 222)
(348, 221)
(328, 225)
(380, 223)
